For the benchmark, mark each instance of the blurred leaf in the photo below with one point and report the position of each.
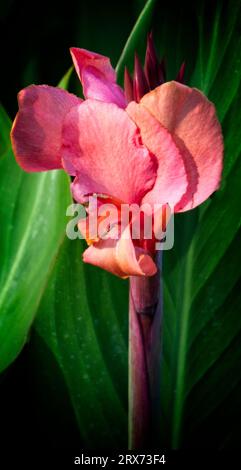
(32, 218)
(5, 125)
(83, 320)
(137, 38)
(202, 326)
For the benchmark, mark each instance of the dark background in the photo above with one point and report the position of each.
(35, 38)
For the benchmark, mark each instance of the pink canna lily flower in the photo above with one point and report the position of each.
(155, 143)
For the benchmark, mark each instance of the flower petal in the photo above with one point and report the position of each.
(103, 145)
(192, 121)
(171, 181)
(120, 257)
(97, 77)
(37, 130)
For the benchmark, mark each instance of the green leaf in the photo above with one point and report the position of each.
(5, 125)
(32, 219)
(83, 320)
(202, 327)
(64, 82)
(136, 39)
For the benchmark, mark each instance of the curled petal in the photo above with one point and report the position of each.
(103, 145)
(120, 257)
(37, 130)
(97, 76)
(191, 119)
(171, 181)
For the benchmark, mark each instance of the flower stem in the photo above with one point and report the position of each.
(145, 315)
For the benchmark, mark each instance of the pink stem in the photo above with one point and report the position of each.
(144, 358)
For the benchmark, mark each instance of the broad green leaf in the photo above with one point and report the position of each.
(32, 219)
(201, 352)
(83, 320)
(136, 40)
